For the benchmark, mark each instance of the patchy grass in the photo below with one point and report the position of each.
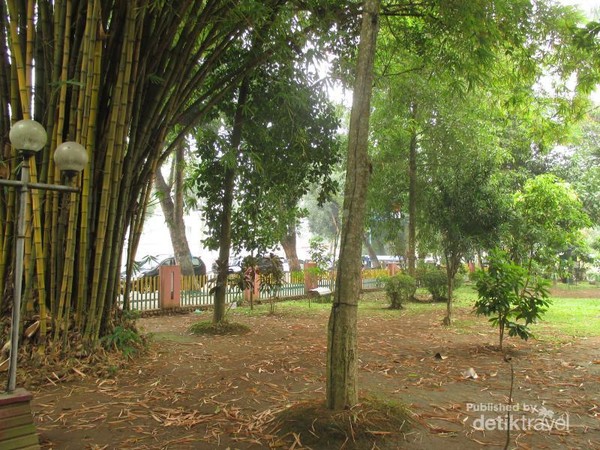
(292, 308)
(566, 316)
(223, 328)
(373, 423)
(579, 286)
(578, 317)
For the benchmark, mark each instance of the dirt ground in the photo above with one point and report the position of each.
(225, 392)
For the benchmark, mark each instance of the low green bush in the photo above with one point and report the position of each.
(399, 289)
(436, 282)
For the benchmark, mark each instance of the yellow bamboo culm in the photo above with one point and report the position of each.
(87, 137)
(17, 55)
(114, 148)
(29, 49)
(57, 140)
(39, 262)
(66, 291)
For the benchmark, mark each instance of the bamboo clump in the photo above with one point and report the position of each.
(117, 77)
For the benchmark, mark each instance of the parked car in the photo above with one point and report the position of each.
(263, 263)
(234, 266)
(199, 266)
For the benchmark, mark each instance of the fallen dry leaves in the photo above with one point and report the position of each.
(229, 391)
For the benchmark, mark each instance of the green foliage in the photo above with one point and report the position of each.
(324, 218)
(124, 339)
(288, 144)
(548, 219)
(579, 163)
(244, 279)
(435, 281)
(125, 336)
(319, 254)
(507, 295)
(399, 289)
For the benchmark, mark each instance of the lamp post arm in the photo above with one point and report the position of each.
(44, 186)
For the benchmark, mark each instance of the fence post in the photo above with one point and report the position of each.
(311, 279)
(169, 289)
(392, 269)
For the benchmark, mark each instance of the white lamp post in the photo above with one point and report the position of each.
(28, 137)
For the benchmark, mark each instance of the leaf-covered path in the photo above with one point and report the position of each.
(225, 391)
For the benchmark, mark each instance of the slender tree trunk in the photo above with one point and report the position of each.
(375, 264)
(289, 247)
(175, 223)
(342, 348)
(225, 236)
(412, 202)
(224, 244)
(181, 247)
(501, 331)
(173, 212)
(452, 262)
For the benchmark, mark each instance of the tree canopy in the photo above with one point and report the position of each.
(287, 145)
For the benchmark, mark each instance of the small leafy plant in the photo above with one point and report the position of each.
(124, 339)
(318, 254)
(507, 294)
(272, 279)
(399, 289)
(125, 336)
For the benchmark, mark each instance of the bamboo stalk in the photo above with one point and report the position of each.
(17, 54)
(113, 147)
(108, 289)
(66, 292)
(55, 23)
(39, 258)
(88, 138)
(56, 260)
(135, 233)
(12, 197)
(29, 45)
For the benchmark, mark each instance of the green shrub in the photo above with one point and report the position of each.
(399, 289)
(436, 282)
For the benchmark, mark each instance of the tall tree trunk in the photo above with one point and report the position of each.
(375, 264)
(412, 201)
(289, 247)
(225, 236)
(173, 211)
(334, 211)
(342, 349)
